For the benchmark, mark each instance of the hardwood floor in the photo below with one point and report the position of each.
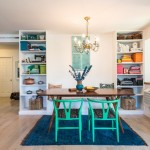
(13, 129)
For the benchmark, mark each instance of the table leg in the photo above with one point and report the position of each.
(120, 123)
(53, 115)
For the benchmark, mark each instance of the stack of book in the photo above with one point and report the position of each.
(126, 58)
(134, 70)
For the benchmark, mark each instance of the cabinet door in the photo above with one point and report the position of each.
(5, 76)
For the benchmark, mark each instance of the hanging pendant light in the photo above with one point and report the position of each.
(85, 45)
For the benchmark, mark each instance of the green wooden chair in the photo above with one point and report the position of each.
(105, 111)
(67, 112)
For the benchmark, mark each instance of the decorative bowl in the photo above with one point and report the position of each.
(90, 88)
(39, 91)
(29, 92)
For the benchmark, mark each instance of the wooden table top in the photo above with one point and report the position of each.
(98, 93)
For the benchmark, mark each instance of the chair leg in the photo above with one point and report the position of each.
(89, 120)
(112, 125)
(80, 128)
(93, 129)
(117, 130)
(56, 129)
(81, 123)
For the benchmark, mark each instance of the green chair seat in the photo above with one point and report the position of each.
(98, 113)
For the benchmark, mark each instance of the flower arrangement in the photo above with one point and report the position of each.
(80, 75)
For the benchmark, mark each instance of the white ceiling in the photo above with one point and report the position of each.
(66, 16)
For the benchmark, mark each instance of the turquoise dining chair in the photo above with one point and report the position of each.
(66, 112)
(105, 111)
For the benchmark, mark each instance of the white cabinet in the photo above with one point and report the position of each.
(129, 65)
(33, 78)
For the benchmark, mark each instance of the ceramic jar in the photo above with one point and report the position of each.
(79, 86)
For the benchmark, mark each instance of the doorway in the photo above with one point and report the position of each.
(6, 76)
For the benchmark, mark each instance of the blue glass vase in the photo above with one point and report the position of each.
(79, 86)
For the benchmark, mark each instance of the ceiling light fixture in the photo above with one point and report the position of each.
(85, 45)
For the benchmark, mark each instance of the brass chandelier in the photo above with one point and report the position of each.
(85, 45)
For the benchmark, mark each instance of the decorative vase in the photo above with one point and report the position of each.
(79, 85)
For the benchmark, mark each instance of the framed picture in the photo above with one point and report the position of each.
(125, 70)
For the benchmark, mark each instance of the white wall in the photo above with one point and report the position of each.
(59, 57)
(146, 32)
(147, 53)
(11, 50)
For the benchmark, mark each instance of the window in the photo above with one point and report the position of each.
(79, 60)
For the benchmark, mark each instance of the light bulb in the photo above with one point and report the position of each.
(75, 39)
(79, 43)
(97, 39)
(83, 35)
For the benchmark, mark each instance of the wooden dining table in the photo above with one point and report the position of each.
(59, 93)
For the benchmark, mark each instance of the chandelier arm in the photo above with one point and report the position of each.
(95, 48)
(87, 33)
(79, 49)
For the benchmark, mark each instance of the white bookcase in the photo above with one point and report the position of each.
(129, 43)
(32, 62)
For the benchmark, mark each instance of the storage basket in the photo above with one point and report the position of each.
(31, 104)
(137, 57)
(120, 37)
(36, 104)
(126, 90)
(128, 103)
(137, 36)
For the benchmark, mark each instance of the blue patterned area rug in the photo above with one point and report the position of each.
(39, 135)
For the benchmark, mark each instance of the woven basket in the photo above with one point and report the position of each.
(36, 104)
(128, 103)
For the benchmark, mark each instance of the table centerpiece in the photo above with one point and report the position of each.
(79, 76)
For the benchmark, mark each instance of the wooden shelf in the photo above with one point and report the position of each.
(33, 74)
(33, 94)
(129, 86)
(130, 112)
(27, 51)
(26, 111)
(130, 41)
(32, 85)
(148, 83)
(129, 74)
(129, 63)
(33, 63)
(131, 52)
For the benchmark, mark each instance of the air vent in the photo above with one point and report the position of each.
(9, 38)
